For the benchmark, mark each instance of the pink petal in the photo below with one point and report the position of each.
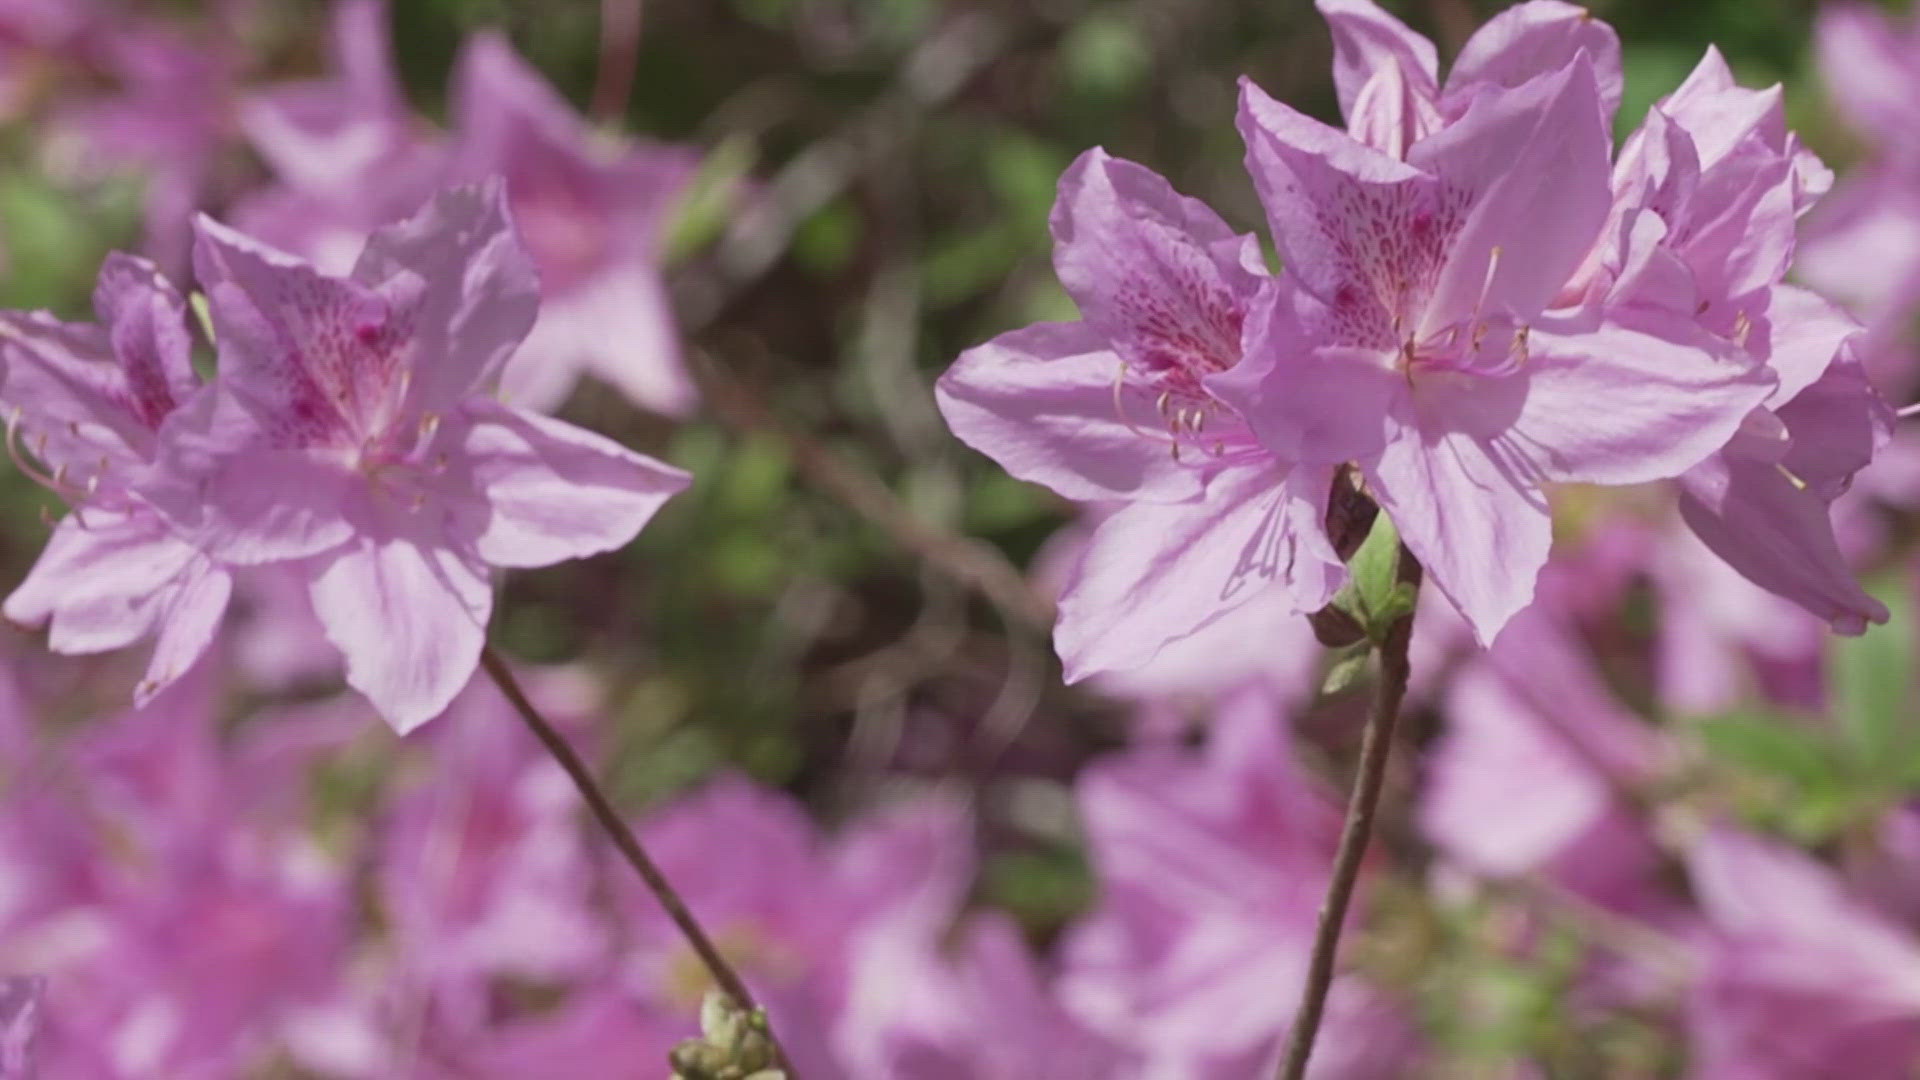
(503, 108)
(1868, 67)
(1807, 334)
(102, 580)
(322, 361)
(553, 491)
(617, 326)
(480, 293)
(409, 619)
(225, 487)
(1481, 532)
(1367, 39)
(1305, 400)
(1347, 218)
(1154, 573)
(331, 134)
(147, 320)
(195, 606)
(1778, 535)
(1642, 397)
(1042, 401)
(1533, 165)
(1837, 425)
(1529, 40)
(67, 397)
(1157, 274)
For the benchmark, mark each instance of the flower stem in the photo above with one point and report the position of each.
(723, 974)
(1375, 746)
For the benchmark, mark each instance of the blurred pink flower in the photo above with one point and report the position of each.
(837, 938)
(1530, 724)
(1000, 1022)
(1200, 519)
(89, 402)
(1211, 869)
(351, 434)
(590, 206)
(592, 209)
(1797, 980)
(484, 871)
(204, 921)
(1427, 326)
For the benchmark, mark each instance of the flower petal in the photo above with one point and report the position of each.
(1481, 533)
(1155, 573)
(553, 491)
(1644, 396)
(1806, 335)
(195, 606)
(1836, 426)
(1043, 402)
(147, 321)
(1868, 68)
(320, 360)
(1160, 276)
(1367, 39)
(227, 488)
(1778, 535)
(1529, 40)
(480, 294)
(101, 581)
(409, 618)
(1348, 219)
(1304, 400)
(618, 326)
(1532, 164)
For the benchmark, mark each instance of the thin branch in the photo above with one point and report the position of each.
(1376, 745)
(619, 56)
(723, 974)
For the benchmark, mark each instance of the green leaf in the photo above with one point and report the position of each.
(708, 203)
(1347, 671)
(1873, 688)
(1375, 595)
(1776, 748)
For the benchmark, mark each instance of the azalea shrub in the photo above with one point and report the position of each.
(946, 540)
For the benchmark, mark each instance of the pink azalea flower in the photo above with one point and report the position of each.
(1426, 328)
(1115, 409)
(1707, 194)
(1798, 979)
(351, 434)
(89, 402)
(592, 211)
(1211, 870)
(590, 207)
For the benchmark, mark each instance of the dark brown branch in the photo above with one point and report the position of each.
(723, 974)
(1376, 745)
